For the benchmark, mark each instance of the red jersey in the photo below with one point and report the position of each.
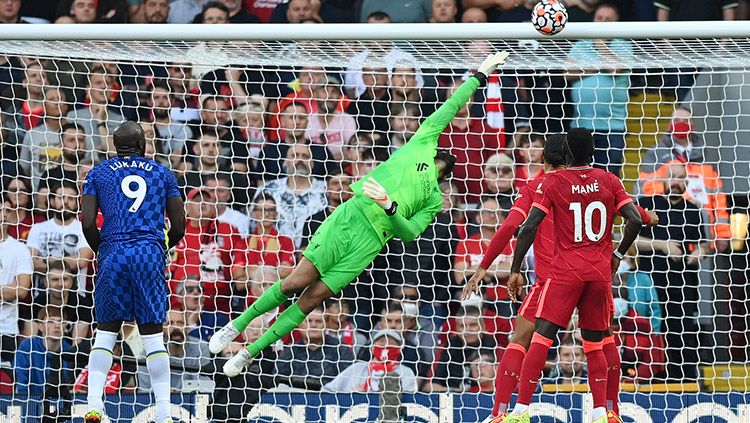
(471, 251)
(20, 230)
(271, 250)
(212, 252)
(544, 243)
(263, 9)
(472, 147)
(584, 201)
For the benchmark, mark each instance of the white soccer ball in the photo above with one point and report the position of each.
(549, 17)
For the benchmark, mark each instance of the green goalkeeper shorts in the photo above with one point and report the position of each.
(343, 246)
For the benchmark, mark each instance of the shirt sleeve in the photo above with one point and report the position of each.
(89, 184)
(409, 229)
(173, 188)
(501, 239)
(544, 195)
(621, 196)
(434, 125)
(25, 265)
(33, 239)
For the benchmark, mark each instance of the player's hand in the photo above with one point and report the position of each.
(515, 286)
(492, 62)
(472, 286)
(376, 192)
(653, 216)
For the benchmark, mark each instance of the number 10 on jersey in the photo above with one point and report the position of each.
(583, 220)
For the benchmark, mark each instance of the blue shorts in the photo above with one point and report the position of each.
(131, 285)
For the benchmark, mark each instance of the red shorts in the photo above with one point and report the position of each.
(593, 300)
(530, 304)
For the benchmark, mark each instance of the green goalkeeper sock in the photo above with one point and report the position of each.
(284, 324)
(269, 300)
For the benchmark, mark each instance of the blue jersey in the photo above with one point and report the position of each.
(132, 194)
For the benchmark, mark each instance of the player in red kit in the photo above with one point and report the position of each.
(584, 201)
(544, 244)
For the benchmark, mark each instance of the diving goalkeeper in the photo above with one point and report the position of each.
(398, 198)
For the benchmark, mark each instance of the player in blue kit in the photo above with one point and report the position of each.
(133, 194)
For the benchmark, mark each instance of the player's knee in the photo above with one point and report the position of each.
(109, 326)
(523, 336)
(547, 328)
(150, 328)
(296, 282)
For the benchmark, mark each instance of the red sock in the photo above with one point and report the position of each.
(597, 367)
(507, 376)
(532, 367)
(614, 372)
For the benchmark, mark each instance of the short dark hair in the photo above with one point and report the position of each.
(471, 311)
(610, 5)
(580, 144)
(447, 158)
(263, 196)
(71, 125)
(554, 150)
(379, 15)
(51, 311)
(214, 5)
(161, 83)
(66, 184)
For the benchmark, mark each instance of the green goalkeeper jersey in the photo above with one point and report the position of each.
(409, 176)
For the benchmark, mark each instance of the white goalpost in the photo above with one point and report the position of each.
(243, 113)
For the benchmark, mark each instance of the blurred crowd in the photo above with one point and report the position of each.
(264, 156)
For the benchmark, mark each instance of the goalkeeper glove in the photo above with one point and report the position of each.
(372, 189)
(492, 62)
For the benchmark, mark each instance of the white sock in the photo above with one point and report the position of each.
(520, 408)
(100, 361)
(157, 362)
(598, 413)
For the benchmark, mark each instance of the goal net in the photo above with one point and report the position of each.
(265, 138)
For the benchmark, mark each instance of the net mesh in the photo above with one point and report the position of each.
(273, 133)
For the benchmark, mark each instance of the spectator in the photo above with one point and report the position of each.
(483, 370)
(339, 325)
(200, 324)
(364, 164)
(452, 370)
(642, 295)
(213, 12)
(444, 11)
(395, 318)
(59, 291)
(299, 195)
(75, 157)
(682, 144)
(403, 124)
(155, 11)
(601, 98)
(469, 254)
(39, 363)
(21, 216)
(16, 268)
(185, 354)
(453, 206)
(365, 376)
(81, 12)
(250, 120)
(569, 369)
(337, 191)
(263, 9)
(691, 10)
(303, 92)
(27, 109)
(185, 89)
(216, 120)
(499, 180)
(183, 11)
(246, 292)
(266, 246)
(472, 141)
(516, 11)
(672, 253)
(62, 236)
(171, 135)
(370, 89)
(294, 123)
(98, 117)
(330, 126)
(406, 82)
(10, 13)
(474, 15)
(39, 140)
(234, 398)
(316, 355)
(220, 187)
(211, 249)
(209, 161)
(401, 12)
(237, 15)
(293, 11)
(492, 8)
(378, 17)
(532, 162)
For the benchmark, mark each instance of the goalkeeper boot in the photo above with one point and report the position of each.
(222, 338)
(236, 364)
(612, 417)
(92, 416)
(525, 417)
